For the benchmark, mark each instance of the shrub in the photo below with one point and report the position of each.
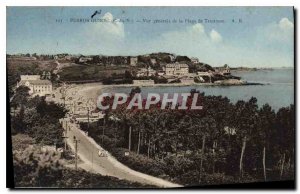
(176, 166)
(217, 178)
(108, 143)
(83, 179)
(192, 179)
(34, 168)
(139, 162)
(21, 141)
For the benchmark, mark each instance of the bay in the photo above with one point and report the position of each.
(277, 91)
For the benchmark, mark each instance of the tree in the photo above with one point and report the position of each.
(20, 97)
(128, 75)
(245, 122)
(285, 131)
(266, 118)
(138, 125)
(218, 141)
(203, 128)
(50, 110)
(220, 109)
(48, 134)
(33, 168)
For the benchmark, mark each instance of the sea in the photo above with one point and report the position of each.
(277, 89)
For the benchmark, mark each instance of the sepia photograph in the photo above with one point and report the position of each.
(155, 97)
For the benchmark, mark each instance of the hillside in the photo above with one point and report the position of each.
(93, 67)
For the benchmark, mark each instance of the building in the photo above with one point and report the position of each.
(153, 61)
(68, 57)
(36, 85)
(225, 70)
(194, 60)
(133, 61)
(187, 80)
(202, 74)
(146, 72)
(30, 77)
(176, 69)
(160, 73)
(85, 59)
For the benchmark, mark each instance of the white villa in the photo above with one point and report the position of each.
(85, 59)
(133, 61)
(176, 69)
(146, 72)
(36, 85)
(225, 70)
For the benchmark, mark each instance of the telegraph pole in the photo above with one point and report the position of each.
(63, 92)
(104, 123)
(55, 144)
(92, 159)
(74, 112)
(65, 138)
(102, 134)
(88, 118)
(65, 134)
(76, 150)
(76, 141)
(66, 124)
(129, 144)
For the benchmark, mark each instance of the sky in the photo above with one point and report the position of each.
(246, 36)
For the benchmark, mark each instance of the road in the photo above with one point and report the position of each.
(88, 153)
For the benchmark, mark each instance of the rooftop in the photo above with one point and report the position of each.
(183, 65)
(36, 82)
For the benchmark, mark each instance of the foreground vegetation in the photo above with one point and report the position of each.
(223, 143)
(34, 124)
(35, 168)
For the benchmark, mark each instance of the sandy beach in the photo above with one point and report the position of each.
(92, 90)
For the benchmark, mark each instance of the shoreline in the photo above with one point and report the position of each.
(93, 90)
(182, 84)
(94, 84)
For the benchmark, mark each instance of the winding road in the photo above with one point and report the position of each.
(88, 153)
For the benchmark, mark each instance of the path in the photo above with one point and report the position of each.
(88, 153)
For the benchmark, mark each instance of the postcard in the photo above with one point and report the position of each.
(150, 97)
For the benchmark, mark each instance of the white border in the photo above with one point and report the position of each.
(151, 3)
(107, 3)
